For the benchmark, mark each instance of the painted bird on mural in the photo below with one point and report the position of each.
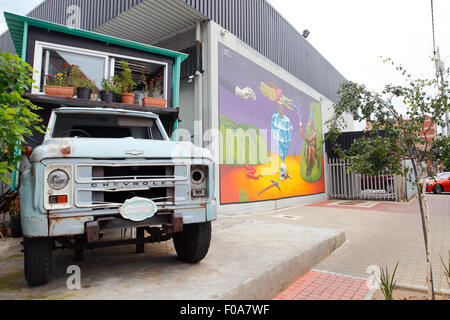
(281, 124)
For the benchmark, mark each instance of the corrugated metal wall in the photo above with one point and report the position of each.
(259, 25)
(255, 22)
(180, 41)
(6, 43)
(93, 14)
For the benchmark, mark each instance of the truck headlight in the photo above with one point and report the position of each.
(199, 182)
(198, 176)
(58, 179)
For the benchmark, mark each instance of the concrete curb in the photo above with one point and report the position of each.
(277, 279)
(420, 288)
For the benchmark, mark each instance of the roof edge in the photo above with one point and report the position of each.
(17, 22)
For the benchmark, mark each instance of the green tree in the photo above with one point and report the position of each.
(401, 140)
(17, 119)
(440, 149)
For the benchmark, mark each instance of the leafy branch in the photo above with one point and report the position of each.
(17, 117)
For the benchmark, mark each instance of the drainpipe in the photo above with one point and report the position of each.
(198, 125)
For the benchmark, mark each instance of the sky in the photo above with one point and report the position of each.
(15, 6)
(353, 34)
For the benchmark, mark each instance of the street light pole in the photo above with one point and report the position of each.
(439, 68)
(440, 72)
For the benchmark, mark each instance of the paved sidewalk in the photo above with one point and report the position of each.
(380, 235)
(248, 259)
(319, 285)
(438, 205)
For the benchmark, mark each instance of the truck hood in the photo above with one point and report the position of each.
(127, 148)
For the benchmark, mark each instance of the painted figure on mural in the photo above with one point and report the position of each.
(281, 124)
(311, 145)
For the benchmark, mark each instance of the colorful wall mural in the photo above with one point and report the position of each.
(271, 134)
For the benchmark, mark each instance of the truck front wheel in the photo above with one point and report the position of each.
(37, 260)
(192, 244)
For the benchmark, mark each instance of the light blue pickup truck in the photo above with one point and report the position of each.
(100, 170)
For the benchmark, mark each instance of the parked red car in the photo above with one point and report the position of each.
(440, 184)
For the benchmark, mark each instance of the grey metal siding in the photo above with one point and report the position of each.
(259, 25)
(93, 14)
(255, 22)
(6, 44)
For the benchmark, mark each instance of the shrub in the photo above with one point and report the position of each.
(17, 119)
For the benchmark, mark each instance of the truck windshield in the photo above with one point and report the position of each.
(105, 126)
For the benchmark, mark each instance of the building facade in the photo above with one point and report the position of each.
(253, 90)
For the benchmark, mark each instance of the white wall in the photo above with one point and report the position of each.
(187, 106)
(213, 34)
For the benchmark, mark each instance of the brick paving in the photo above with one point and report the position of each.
(379, 234)
(317, 285)
(438, 205)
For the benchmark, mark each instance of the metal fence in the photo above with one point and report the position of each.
(351, 186)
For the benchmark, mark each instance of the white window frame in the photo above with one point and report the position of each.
(109, 58)
(39, 48)
(165, 64)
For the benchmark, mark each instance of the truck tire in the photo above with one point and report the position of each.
(37, 260)
(192, 244)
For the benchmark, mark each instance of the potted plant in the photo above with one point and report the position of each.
(60, 85)
(127, 83)
(83, 85)
(154, 93)
(107, 94)
(117, 89)
(14, 213)
(85, 89)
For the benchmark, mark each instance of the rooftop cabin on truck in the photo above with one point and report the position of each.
(105, 166)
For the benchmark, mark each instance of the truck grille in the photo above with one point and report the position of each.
(110, 185)
(103, 173)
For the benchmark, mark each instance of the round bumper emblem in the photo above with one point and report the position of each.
(138, 209)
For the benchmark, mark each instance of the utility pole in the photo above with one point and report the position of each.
(439, 68)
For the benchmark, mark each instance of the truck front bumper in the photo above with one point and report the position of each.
(68, 224)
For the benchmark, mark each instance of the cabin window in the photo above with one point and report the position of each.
(146, 75)
(90, 68)
(51, 59)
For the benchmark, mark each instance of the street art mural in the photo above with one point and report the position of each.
(271, 134)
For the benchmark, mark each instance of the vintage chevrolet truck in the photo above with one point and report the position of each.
(104, 170)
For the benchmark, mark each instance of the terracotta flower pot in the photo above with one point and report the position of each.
(154, 102)
(66, 92)
(128, 98)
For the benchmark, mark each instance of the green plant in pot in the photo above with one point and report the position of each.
(154, 92)
(83, 85)
(127, 84)
(14, 213)
(60, 84)
(109, 87)
(117, 88)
